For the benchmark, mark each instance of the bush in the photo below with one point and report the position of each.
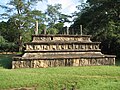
(8, 47)
(2, 40)
(52, 31)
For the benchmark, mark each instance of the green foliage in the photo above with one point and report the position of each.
(21, 20)
(8, 47)
(52, 31)
(101, 19)
(59, 26)
(53, 13)
(64, 18)
(2, 40)
(41, 29)
(55, 19)
(23, 16)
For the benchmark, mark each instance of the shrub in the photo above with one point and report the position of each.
(7, 46)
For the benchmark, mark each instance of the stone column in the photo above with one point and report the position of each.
(67, 30)
(36, 28)
(81, 29)
(44, 30)
(20, 44)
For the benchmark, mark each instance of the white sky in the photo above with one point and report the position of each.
(68, 6)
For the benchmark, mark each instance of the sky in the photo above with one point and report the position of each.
(68, 6)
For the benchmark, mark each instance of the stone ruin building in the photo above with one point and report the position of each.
(61, 50)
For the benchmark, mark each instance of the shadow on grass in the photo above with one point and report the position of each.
(6, 61)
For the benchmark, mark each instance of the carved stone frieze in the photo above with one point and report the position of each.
(63, 47)
(61, 38)
(62, 62)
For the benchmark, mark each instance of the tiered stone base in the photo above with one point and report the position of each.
(62, 50)
(56, 62)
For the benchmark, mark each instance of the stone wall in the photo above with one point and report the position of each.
(63, 62)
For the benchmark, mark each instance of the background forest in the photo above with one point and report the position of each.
(100, 18)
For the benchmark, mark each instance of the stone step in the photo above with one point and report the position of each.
(61, 42)
(76, 50)
(62, 56)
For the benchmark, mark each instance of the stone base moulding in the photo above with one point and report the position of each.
(87, 61)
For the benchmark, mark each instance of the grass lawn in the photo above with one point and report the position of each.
(80, 78)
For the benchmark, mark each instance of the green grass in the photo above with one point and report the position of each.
(80, 78)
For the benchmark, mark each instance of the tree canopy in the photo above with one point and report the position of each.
(101, 19)
(22, 17)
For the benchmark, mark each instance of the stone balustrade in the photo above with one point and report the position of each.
(38, 38)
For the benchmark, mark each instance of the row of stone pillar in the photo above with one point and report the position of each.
(36, 29)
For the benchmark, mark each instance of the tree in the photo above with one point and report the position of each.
(53, 14)
(2, 40)
(101, 19)
(3, 26)
(55, 19)
(52, 31)
(23, 15)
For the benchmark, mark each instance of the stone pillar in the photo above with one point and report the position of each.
(81, 29)
(36, 28)
(44, 30)
(20, 43)
(67, 30)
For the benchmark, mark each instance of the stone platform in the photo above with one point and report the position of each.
(62, 50)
